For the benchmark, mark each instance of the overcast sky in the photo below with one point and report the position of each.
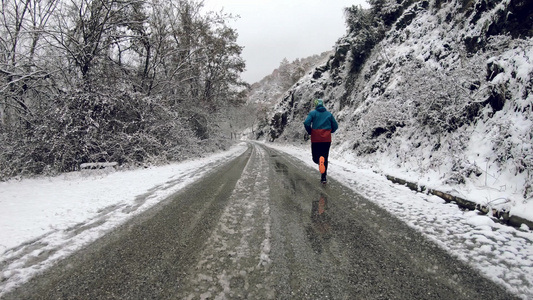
(271, 30)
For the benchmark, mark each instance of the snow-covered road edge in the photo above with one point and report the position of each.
(44, 220)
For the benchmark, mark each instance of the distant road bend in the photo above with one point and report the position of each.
(262, 227)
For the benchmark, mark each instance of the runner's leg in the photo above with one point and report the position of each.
(315, 151)
(323, 150)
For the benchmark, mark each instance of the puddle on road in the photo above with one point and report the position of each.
(299, 189)
(281, 168)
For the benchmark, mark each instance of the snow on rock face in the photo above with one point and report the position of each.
(444, 93)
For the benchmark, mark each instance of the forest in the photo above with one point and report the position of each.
(132, 82)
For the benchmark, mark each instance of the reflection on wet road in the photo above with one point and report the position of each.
(319, 215)
(318, 231)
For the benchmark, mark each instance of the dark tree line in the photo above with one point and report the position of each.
(130, 81)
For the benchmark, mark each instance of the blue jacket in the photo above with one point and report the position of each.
(320, 124)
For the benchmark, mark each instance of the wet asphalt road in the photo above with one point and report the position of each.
(262, 227)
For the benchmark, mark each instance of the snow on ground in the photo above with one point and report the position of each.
(45, 219)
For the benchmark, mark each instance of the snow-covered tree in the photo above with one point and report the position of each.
(128, 81)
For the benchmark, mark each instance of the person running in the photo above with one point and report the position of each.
(320, 124)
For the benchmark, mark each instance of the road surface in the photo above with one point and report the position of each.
(262, 227)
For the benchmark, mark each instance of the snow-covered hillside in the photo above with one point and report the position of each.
(282, 78)
(437, 92)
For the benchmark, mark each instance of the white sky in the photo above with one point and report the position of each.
(271, 30)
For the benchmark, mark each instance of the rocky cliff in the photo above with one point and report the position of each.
(433, 86)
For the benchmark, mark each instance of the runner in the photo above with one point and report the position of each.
(320, 124)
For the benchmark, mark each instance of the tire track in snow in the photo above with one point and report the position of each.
(236, 255)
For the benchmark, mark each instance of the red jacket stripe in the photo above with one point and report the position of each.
(321, 136)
